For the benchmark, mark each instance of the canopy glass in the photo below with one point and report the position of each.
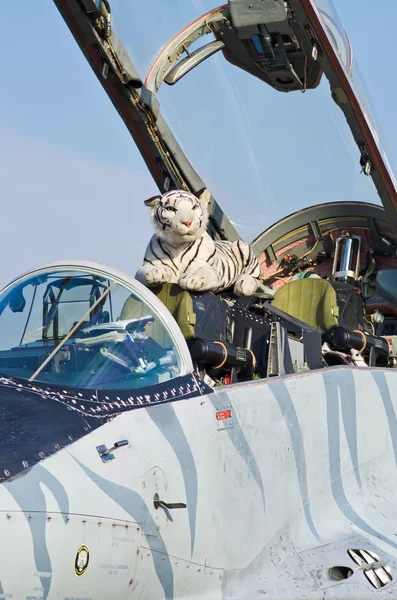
(79, 327)
(263, 154)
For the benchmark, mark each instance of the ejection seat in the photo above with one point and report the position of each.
(322, 304)
(312, 301)
(325, 306)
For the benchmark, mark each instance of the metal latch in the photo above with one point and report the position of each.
(157, 503)
(105, 453)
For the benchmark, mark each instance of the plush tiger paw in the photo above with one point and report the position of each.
(246, 285)
(202, 280)
(150, 275)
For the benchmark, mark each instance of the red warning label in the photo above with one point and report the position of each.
(225, 414)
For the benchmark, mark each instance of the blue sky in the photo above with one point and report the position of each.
(72, 180)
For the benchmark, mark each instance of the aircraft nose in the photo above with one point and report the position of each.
(187, 223)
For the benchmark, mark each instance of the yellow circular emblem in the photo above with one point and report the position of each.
(81, 561)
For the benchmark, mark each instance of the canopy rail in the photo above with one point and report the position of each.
(92, 28)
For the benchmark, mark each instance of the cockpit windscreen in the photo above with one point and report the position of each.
(82, 329)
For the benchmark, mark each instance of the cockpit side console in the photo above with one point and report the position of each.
(335, 297)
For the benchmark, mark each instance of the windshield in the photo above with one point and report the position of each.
(78, 328)
(262, 153)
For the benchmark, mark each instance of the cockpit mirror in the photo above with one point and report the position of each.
(17, 302)
(386, 285)
(192, 60)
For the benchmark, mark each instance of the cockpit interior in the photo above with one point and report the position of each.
(332, 300)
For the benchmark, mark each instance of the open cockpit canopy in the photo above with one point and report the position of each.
(202, 90)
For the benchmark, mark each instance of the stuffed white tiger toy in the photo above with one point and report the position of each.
(182, 252)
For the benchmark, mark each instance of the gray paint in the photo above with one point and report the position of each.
(167, 422)
(26, 491)
(239, 440)
(134, 505)
(380, 380)
(287, 408)
(336, 480)
(25, 497)
(349, 416)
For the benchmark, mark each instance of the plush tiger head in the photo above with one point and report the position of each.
(178, 216)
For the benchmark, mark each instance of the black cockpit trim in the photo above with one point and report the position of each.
(40, 419)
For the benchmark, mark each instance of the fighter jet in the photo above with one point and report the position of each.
(160, 444)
